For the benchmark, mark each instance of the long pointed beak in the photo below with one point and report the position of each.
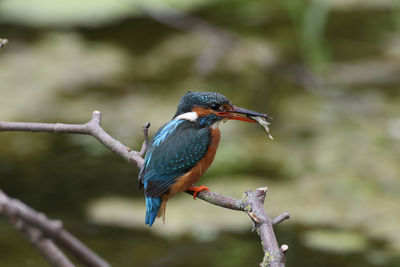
(238, 110)
(248, 112)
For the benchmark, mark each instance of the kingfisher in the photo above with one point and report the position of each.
(183, 149)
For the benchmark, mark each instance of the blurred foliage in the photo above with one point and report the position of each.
(327, 71)
(310, 20)
(59, 13)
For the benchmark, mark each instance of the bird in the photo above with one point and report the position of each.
(183, 149)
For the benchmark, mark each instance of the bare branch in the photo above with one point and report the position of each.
(39, 228)
(219, 200)
(252, 202)
(92, 128)
(280, 218)
(272, 255)
(146, 139)
(45, 245)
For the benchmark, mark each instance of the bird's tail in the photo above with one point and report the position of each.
(152, 207)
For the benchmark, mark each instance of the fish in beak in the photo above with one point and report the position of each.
(241, 114)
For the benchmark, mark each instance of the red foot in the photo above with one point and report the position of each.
(197, 189)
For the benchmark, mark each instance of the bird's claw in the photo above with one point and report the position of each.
(197, 189)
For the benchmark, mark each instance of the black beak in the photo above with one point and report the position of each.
(248, 112)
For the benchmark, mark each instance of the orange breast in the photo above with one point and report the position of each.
(193, 176)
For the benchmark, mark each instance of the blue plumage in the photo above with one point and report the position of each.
(165, 131)
(176, 148)
(152, 207)
(184, 148)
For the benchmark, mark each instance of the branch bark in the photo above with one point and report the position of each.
(93, 128)
(252, 202)
(44, 244)
(41, 231)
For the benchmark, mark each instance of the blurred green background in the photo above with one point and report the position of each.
(328, 72)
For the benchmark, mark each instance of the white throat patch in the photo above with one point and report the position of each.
(189, 116)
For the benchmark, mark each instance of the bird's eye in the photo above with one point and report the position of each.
(215, 106)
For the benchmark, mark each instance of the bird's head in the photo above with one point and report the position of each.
(207, 108)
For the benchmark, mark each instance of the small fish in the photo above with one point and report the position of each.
(264, 124)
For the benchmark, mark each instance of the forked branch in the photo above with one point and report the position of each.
(252, 202)
(42, 231)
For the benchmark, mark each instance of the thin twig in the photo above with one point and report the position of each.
(284, 249)
(280, 218)
(146, 139)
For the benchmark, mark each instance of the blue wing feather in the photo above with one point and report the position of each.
(174, 150)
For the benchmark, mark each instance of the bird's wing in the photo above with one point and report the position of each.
(174, 150)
